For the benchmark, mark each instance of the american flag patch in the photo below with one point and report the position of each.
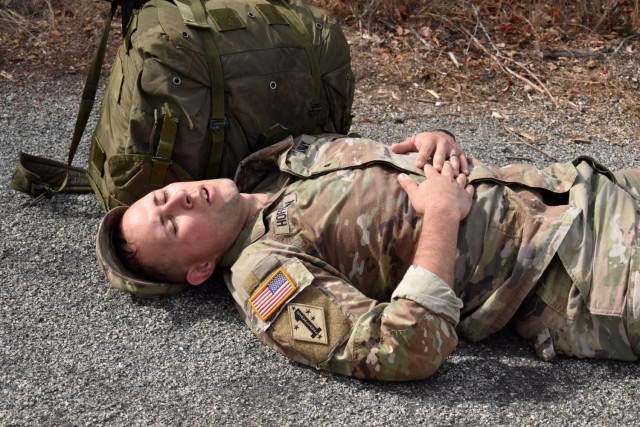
(272, 294)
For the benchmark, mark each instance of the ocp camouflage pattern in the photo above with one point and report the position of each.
(550, 251)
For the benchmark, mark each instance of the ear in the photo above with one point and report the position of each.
(198, 273)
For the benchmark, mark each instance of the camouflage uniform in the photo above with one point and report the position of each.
(324, 275)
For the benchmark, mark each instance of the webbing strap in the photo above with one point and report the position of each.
(196, 17)
(295, 21)
(89, 94)
(162, 158)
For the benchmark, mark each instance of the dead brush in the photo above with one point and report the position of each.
(37, 17)
(23, 15)
(589, 15)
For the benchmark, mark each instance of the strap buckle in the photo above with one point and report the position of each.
(162, 160)
(218, 125)
(315, 110)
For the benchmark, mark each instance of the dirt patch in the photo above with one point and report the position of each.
(401, 69)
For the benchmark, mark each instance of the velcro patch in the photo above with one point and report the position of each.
(335, 331)
(272, 294)
(308, 324)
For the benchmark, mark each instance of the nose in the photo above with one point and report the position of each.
(179, 200)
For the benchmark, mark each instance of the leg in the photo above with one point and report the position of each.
(555, 320)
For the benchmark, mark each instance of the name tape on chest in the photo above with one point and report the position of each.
(308, 324)
(272, 294)
(282, 215)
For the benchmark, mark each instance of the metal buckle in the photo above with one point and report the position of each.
(161, 160)
(218, 125)
(315, 110)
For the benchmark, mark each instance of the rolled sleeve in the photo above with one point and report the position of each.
(430, 291)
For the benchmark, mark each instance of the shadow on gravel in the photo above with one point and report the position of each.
(209, 301)
(499, 372)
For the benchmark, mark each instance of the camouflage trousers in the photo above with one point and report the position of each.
(565, 326)
(553, 330)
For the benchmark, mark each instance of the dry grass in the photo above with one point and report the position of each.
(465, 49)
(16, 15)
(589, 15)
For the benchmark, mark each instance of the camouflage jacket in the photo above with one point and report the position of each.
(324, 276)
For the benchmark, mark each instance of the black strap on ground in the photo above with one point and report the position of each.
(41, 177)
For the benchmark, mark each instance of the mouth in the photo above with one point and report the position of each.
(206, 195)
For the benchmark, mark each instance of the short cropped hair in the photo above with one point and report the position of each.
(128, 254)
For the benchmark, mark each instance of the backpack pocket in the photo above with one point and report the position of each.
(338, 88)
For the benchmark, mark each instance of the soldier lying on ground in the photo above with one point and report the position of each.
(345, 256)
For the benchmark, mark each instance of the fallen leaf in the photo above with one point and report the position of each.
(454, 59)
(425, 32)
(6, 75)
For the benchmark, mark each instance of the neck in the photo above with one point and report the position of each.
(254, 203)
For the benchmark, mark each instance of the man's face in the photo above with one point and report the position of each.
(185, 223)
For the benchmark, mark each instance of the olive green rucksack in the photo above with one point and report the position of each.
(274, 68)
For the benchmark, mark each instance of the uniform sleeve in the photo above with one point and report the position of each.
(329, 324)
(407, 338)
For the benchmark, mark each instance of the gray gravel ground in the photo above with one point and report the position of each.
(76, 352)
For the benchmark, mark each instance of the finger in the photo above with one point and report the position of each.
(404, 146)
(447, 169)
(408, 184)
(455, 163)
(464, 164)
(429, 170)
(470, 189)
(424, 151)
(461, 179)
(440, 156)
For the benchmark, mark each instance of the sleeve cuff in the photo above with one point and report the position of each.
(430, 291)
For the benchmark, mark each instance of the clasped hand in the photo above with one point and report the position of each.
(441, 194)
(439, 147)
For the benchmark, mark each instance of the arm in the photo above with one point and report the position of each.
(439, 145)
(411, 337)
(443, 201)
(406, 338)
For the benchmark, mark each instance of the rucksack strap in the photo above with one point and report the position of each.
(194, 15)
(42, 177)
(39, 177)
(162, 158)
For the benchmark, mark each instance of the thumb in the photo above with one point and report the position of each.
(407, 183)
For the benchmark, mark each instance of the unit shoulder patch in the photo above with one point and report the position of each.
(308, 323)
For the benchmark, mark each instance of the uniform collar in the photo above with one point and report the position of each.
(251, 233)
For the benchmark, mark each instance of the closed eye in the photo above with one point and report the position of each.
(173, 224)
